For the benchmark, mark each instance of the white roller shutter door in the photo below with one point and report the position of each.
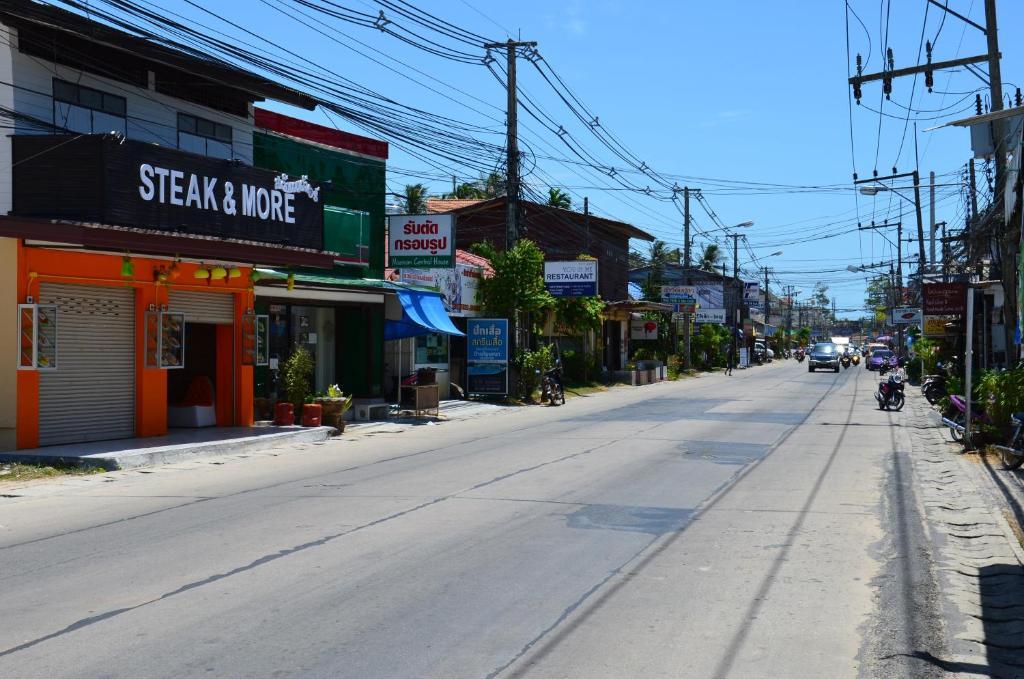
(91, 395)
(202, 307)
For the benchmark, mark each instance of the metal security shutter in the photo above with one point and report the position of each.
(91, 395)
(202, 307)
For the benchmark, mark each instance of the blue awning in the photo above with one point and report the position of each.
(422, 313)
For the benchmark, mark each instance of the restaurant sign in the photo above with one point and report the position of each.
(575, 278)
(421, 241)
(944, 298)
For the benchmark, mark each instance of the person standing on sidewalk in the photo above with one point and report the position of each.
(730, 358)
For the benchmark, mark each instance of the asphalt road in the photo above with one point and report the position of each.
(747, 526)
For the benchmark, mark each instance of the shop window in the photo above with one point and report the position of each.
(205, 137)
(86, 110)
(432, 349)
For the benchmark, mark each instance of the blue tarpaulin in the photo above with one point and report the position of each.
(422, 314)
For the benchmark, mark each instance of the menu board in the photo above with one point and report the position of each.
(37, 337)
(262, 340)
(152, 339)
(248, 339)
(46, 337)
(26, 336)
(172, 339)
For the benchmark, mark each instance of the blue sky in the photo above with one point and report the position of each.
(743, 91)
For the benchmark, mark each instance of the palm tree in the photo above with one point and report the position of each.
(415, 199)
(711, 257)
(657, 257)
(559, 198)
(493, 185)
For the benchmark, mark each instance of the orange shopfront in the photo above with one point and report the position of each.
(88, 375)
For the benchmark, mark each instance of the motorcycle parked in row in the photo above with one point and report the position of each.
(934, 386)
(956, 416)
(889, 365)
(890, 392)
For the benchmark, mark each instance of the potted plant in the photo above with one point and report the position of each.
(298, 372)
(333, 407)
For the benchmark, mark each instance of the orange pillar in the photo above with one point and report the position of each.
(150, 383)
(244, 380)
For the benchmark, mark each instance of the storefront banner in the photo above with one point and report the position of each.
(423, 241)
(575, 278)
(640, 329)
(716, 316)
(944, 298)
(458, 286)
(751, 291)
(486, 340)
(905, 316)
(133, 183)
(487, 379)
(682, 297)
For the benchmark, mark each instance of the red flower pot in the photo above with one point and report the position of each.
(311, 414)
(284, 414)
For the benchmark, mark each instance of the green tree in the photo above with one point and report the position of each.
(415, 199)
(820, 294)
(636, 259)
(559, 198)
(878, 297)
(803, 337)
(657, 257)
(493, 185)
(518, 280)
(711, 257)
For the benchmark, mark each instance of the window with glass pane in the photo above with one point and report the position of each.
(86, 110)
(205, 137)
(431, 349)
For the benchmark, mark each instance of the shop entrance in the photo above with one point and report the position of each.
(200, 393)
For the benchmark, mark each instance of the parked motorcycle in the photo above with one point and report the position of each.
(934, 386)
(1012, 454)
(888, 365)
(890, 392)
(551, 390)
(845, 361)
(956, 416)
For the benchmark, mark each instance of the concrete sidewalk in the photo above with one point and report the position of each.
(179, 444)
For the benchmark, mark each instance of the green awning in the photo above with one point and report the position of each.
(334, 280)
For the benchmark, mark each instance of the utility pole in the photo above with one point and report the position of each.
(686, 268)
(931, 220)
(767, 306)
(738, 291)
(512, 141)
(586, 220)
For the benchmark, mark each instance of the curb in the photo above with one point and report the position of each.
(147, 457)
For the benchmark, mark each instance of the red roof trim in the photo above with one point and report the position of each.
(303, 129)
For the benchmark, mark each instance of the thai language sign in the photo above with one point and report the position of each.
(944, 298)
(487, 356)
(906, 316)
(575, 278)
(684, 297)
(487, 339)
(422, 241)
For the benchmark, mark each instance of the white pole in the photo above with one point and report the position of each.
(968, 360)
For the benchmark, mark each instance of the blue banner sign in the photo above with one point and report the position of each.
(486, 340)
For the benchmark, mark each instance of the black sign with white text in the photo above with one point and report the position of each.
(132, 183)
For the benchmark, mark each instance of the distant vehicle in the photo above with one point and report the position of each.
(823, 355)
(877, 358)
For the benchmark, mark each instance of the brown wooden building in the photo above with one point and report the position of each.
(561, 234)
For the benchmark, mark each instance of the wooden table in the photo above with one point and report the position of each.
(425, 398)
